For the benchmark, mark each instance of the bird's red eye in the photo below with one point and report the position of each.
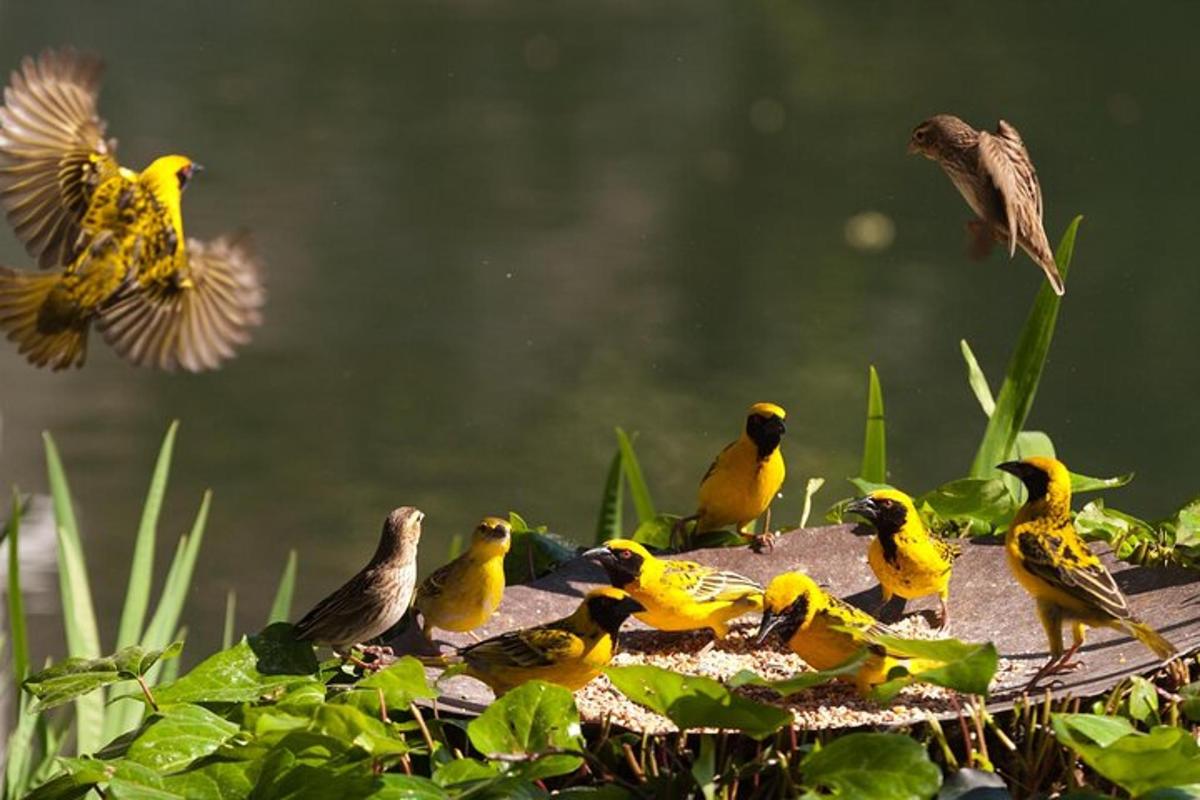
(625, 554)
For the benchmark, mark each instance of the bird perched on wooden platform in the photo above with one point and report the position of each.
(111, 239)
(995, 175)
(908, 560)
(677, 595)
(826, 631)
(744, 478)
(569, 651)
(462, 595)
(1067, 581)
(377, 597)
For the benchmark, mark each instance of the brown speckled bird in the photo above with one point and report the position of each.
(994, 174)
(376, 598)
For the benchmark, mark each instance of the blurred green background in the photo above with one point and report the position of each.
(494, 230)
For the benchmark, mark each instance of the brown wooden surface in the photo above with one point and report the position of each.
(986, 604)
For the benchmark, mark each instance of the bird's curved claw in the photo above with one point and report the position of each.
(764, 542)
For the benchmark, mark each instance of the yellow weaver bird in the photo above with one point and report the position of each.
(745, 477)
(1067, 581)
(570, 651)
(111, 238)
(827, 632)
(462, 595)
(908, 560)
(677, 595)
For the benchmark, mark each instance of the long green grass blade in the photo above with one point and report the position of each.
(230, 620)
(978, 381)
(638, 490)
(141, 570)
(281, 606)
(19, 748)
(874, 460)
(79, 615)
(179, 580)
(16, 603)
(608, 524)
(1024, 369)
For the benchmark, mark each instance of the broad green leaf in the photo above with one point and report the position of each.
(874, 766)
(974, 784)
(609, 521)
(987, 501)
(810, 491)
(638, 490)
(281, 606)
(215, 780)
(1137, 762)
(696, 702)
(533, 718)
(874, 459)
(255, 667)
(977, 380)
(534, 553)
(398, 686)
(74, 677)
(656, 532)
(79, 615)
(1024, 370)
(178, 735)
(1083, 483)
(1142, 703)
(462, 771)
(407, 787)
(1095, 521)
(16, 603)
(961, 666)
(801, 680)
(1034, 443)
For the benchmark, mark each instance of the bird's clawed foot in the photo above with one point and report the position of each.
(764, 542)
(943, 624)
(1055, 666)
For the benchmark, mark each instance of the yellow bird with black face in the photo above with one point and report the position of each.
(112, 239)
(677, 595)
(908, 560)
(826, 631)
(1068, 583)
(570, 651)
(744, 478)
(462, 595)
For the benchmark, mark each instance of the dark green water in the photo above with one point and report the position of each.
(493, 231)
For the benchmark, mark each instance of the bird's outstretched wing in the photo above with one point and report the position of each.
(52, 151)
(1073, 571)
(1006, 162)
(542, 646)
(194, 323)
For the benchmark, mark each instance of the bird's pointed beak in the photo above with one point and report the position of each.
(912, 147)
(770, 621)
(631, 606)
(600, 554)
(197, 167)
(1012, 467)
(864, 506)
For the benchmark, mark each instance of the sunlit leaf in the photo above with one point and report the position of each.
(656, 532)
(638, 490)
(801, 680)
(73, 677)
(977, 380)
(810, 491)
(175, 736)
(398, 685)
(531, 719)
(1137, 762)
(880, 766)
(961, 666)
(253, 668)
(281, 606)
(987, 500)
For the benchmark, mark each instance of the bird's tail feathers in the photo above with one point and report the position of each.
(1045, 259)
(1151, 638)
(42, 338)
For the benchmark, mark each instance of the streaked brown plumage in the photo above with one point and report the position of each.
(376, 598)
(995, 175)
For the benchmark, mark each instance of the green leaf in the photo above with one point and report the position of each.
(1142, 703)
(213, 779)
(398, 685)
(407, 787)
(178, 735)
(977, 380)
(810, 491)
(230, 619)
(656, 532)
(531, 719)
(281, 606)
(987, 500)
(255, 667)
(16, 603)
(1024, 370)
(74, 677)
(534, 552)
(638, 490)
(1138, 762)
(1034, 443)
(1082, 483)
(165, 621)
(79, 615)
(801, 680)
(609, 522)
(878, 766)
(696, 702)
(961, 666)
(874, 460)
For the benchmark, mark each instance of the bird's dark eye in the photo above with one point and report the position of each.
(884, 502)
(919, 135)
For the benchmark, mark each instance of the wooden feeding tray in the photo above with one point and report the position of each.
(986, 604)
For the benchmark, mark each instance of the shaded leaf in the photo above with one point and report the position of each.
(73, 677)
(1083, 483)
(987, 500)
(977, 380)
(639, 492)
(1138, 762)
(609, 522)
(281, 606)
(801, 680)
(874, 459)
(656, 532)
(874, 766)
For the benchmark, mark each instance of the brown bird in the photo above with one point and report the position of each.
(994, 174)
(376, 598)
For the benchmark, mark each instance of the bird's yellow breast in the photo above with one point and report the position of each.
(471, 593)
(918, 568)
(670, 607)
(823, 646)
(739, 487)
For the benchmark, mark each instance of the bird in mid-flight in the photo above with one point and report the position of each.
(994, 174)
(110, 239)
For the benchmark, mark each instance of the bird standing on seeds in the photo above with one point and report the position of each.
(462, 595)
(994, 174)
(677, 595)
(569, 651)
(908, 560)
(744, 478)
(1055, 566)
(377, 597)
(111, 238)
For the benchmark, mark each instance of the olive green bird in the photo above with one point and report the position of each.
(111, 239)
